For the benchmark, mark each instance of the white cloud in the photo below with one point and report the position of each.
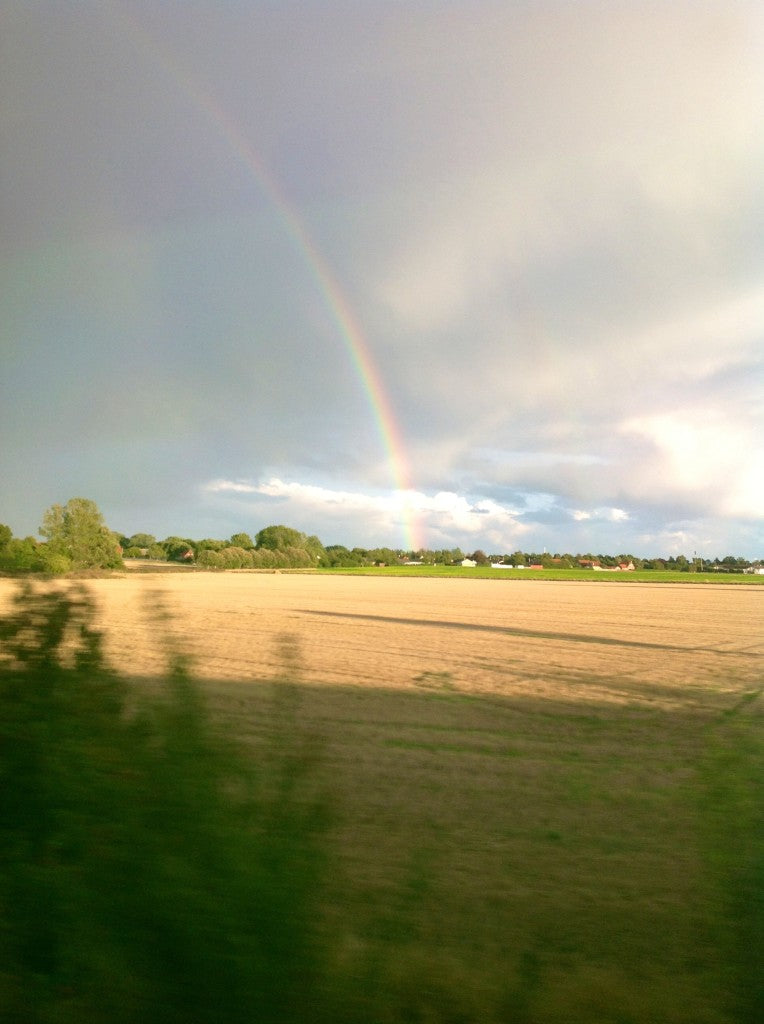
(441, 519)
(700, 454)
(713, 337)
(230, 486)
(609, 515)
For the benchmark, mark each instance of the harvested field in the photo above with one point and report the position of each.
(544, 795)
(561, 640)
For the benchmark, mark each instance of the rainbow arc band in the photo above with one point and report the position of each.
(350, 331)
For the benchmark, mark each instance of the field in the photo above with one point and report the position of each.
(544, 795)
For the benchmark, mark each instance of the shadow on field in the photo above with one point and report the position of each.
(484, 627)
(148, 870)
(221, 852)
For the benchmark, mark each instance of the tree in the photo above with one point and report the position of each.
(315, 548)
(234, 557)
(338, 555)
(77, 532)
(178, 549)
(384, 556)
(25, 556)
(140, 540)
(210, 544)
(286, 540)
(278, 538)
(6, 536)
(242, 540)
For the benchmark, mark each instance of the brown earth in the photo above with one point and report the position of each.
(656, 643)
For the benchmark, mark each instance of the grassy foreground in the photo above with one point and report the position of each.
(277, 852)
(149, 871)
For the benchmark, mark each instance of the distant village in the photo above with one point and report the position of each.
(603, 563)
(584, 563)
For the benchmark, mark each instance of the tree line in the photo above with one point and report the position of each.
(76, 538)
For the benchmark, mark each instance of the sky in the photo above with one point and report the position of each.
(407, 274)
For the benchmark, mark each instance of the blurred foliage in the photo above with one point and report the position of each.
(149, 871)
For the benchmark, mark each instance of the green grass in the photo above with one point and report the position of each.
(486, 572)
(519, 859)
(149, 871)
(732, 812)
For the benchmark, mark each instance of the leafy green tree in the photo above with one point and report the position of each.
(337, 555)
(278, 538)
(298, 558)
(234, 557)
(242, 540)
(209, 544)
(209, 559)
(315, 548)
(286, 541)
(23, 556)
(77, 532)
(6, 536)
(267, 558)
(178, 549)
(384, 556)
(140, 540)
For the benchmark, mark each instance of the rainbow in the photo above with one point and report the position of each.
(350, 331)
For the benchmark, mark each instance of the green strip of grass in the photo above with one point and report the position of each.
(732, 816)
(482, 572)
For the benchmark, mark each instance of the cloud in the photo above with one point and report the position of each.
(704, 457)
(611, 515)
(231, 487)
(445, 518)
(545, 219)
